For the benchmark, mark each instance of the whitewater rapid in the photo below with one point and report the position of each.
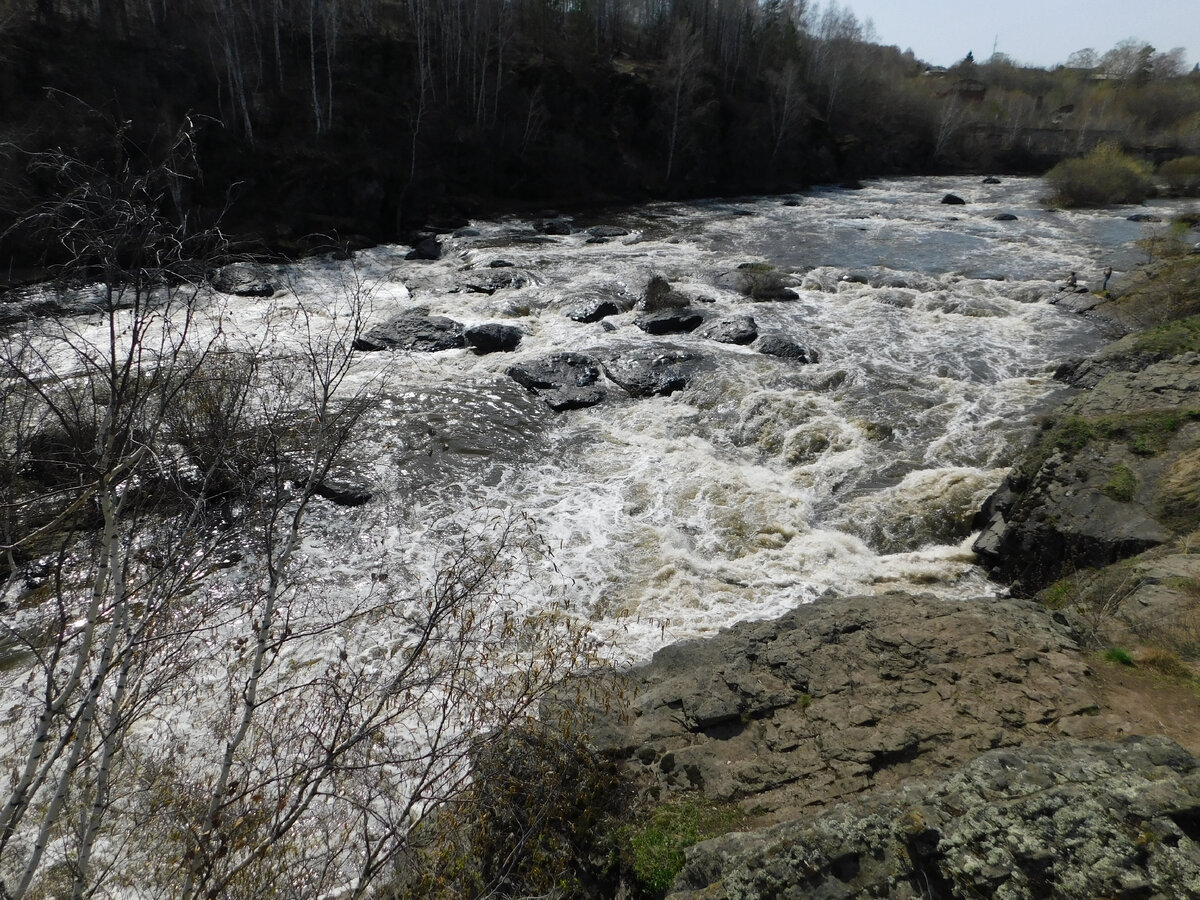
(765, 483)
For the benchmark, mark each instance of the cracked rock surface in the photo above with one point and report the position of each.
(847, 695)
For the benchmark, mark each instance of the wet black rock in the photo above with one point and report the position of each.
(492, 337)
(991, 179)
(660, 296)
(1144, 217)
(244, 279)
(554, 226)
(500, 264)
(785, 348)
(674, 321)
(652, 371)
(497, 278)
(344, 490)
(607, 231)
(414, 330)
(734, 330)
(953, 200)
(1004, 217)
(592, 309)
(427, 249)
(563, 380)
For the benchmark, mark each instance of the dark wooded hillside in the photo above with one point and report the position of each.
(367, 117)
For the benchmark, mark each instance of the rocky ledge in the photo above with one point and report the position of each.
(848, 695)
(1108, 819)
(909, 746)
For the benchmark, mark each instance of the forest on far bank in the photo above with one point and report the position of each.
(373, 118)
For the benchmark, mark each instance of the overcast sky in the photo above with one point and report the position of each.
(1035, 32)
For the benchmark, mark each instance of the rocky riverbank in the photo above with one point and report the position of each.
(906, 746)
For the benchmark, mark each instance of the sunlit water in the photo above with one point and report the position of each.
(764, 484)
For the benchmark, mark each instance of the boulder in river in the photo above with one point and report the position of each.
(244, 279)
(660, 296)
(562, 380)
(759, 281)
(673, 321)
(1004, 217)
(650, 371)
(414, 330)
(607, 231)
(732, 330)
(953, 200)
(592, 309)
(554, 226)
(497, 278)
(344, 489)
(991, 179)
(492, 337)
(428, 248)
(785, 348)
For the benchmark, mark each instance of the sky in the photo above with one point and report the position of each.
(1035, 32)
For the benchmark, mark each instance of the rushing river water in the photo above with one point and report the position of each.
(765, 483)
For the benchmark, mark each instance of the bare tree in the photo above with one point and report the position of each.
(197, 708)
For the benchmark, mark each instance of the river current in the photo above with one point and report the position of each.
(765, 483)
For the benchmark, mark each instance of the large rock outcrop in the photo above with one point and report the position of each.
(1113, 478)
(843, 696)
(1065, 820)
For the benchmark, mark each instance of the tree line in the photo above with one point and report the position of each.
(367, 116)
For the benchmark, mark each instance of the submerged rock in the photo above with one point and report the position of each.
(414, 330)
(785, 348)
(734, 330)
(563, 380)
(607, 231)
(1004, 217)
(651, 371)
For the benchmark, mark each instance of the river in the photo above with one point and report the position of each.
(765, 483)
